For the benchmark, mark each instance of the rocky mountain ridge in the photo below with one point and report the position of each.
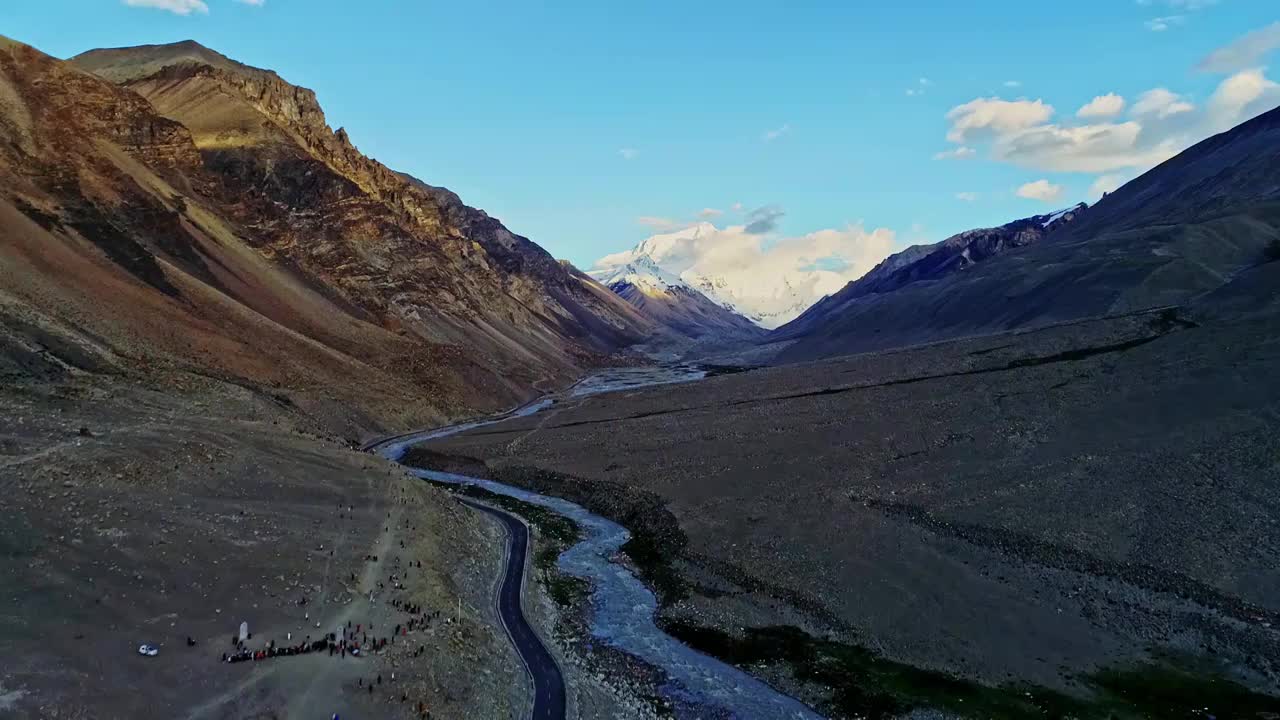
(269, 237)
(926, 263)
(1185, 229)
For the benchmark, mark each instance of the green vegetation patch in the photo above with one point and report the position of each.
(656, 537)
(865, 685)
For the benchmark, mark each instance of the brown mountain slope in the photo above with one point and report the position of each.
(269, 143)
(1185, 228)
(256, 244)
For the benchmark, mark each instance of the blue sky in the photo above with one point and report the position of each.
(570, 123)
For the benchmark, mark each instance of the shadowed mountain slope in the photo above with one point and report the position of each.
(204, 216)
(1183, 229)
(926, 263)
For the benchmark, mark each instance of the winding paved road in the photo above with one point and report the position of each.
(548, 682)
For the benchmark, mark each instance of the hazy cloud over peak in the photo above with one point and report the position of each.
(771, 279)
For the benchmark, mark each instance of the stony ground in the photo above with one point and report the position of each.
(138, 513)
(1027, 508)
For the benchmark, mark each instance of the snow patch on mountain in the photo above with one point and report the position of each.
(1054, 217)
(767, 280)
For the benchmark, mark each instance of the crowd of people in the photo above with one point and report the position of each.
(358, 639)
(243, 653)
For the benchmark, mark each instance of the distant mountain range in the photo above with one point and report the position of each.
(1185, 229)
(699, 301)
(767, 297)
(172, 206)
(167, 206)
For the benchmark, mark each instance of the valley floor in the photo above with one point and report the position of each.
(1032, 508)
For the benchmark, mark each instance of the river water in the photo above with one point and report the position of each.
(623, 608)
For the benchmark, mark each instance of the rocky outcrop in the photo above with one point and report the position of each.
(279, 163)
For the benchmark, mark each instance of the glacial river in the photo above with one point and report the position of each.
(623, 607)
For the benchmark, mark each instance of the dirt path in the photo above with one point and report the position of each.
(48, 450)
(313, 686)
(547, 417)
(324, 689)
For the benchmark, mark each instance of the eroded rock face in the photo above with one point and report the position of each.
(222, 187)
(300, 162)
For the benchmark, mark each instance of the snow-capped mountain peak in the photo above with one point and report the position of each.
(642, 273)
(669, 300)
(767, 279)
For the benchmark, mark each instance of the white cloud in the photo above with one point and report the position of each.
(1161, 124)
(1106, 184)
(1161, 24)
(1244, 52)
(773, 279)
(178, 7)
(986, 116)
(255, 3)
(1108, 105)
(708, 213)
(967, 196)
(1041, 190)
(963, 152)
(1013, 83)
(1084, 148)
(1241, 97)
(628, 153)
(736, 207)
(776, 133)
(1161, 103)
